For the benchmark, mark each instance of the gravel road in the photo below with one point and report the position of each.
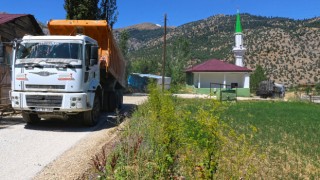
(55, 149)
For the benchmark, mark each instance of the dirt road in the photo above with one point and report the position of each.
(55, 149)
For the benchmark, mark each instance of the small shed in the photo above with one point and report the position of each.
(213, 72)
(13, 26)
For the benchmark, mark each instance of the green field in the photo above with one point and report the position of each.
(172, 138)
(288, 136)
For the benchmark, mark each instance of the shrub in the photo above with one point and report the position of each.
(170, 138)
(317, 88)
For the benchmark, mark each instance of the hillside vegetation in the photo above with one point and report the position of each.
(288, 50)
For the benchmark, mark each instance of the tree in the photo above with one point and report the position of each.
(123, 45)
(145, 66)
(81, 9)
(317, 88)
(88, 9)
(179, 55)
(257, 76)
(109, 11)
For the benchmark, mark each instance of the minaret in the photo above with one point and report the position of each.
(239, 49)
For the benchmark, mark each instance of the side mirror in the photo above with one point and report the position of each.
(1, 53)
(94, 55)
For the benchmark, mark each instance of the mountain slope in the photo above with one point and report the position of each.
(289, 50)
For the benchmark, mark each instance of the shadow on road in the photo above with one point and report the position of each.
(10, 120)
(106, 120)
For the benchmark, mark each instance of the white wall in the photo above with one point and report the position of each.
(242, 78)
(246, 80)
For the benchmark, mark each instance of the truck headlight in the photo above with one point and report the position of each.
(76, 102)
(79, 105)
(15, 100)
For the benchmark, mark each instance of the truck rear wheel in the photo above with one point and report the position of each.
(30, 118)
(105, 102)
(120, 99)
(112, 101)
(91, 118)
(115, 100)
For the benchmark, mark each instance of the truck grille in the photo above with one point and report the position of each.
(36, 86)
(44, 101)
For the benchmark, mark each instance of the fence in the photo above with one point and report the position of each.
(226, 92)
(311, 98)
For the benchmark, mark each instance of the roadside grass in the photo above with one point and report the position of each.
(172, 138)
(287, 135)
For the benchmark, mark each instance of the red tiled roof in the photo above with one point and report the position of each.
(215, 65)
(9, 17)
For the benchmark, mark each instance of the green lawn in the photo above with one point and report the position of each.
(288, 136)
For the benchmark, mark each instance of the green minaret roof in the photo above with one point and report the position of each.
(238, 24)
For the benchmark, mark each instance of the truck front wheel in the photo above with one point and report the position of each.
(90, 118)
(30, 118)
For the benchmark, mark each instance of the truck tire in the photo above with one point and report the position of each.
(112, 101)
(30, 118)
(105, 102)
(120, 99)
(91, 118)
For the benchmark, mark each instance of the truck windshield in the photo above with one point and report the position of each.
(49, 50)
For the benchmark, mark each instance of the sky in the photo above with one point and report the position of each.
(179, 12)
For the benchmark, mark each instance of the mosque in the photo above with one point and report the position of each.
(216, 74)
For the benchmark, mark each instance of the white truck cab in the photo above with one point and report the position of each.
(65, 74)
(54, 76)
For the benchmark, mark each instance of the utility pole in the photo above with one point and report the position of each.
(164, 51)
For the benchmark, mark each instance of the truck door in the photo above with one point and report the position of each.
(91, 75)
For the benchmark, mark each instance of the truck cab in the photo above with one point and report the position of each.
(67, 73)
(54, 76)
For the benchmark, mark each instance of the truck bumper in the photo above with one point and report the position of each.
(50, 102)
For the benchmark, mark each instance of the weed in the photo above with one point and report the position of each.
(171, 138)
(99, 162)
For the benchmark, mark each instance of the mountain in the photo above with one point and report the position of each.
(287, 49)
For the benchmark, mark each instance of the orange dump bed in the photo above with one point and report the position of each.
(110, 55)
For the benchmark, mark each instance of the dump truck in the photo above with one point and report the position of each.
(269, 88)
(76, 71)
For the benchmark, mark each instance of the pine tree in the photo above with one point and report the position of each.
(109, 11)
(257, 76)
(81, 9)
(179, 55)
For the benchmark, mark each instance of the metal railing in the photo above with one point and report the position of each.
(226, 92)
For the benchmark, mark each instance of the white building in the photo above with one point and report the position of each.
(219, 74)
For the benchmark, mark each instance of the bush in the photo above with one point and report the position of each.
(317, 88)
(170, 138)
